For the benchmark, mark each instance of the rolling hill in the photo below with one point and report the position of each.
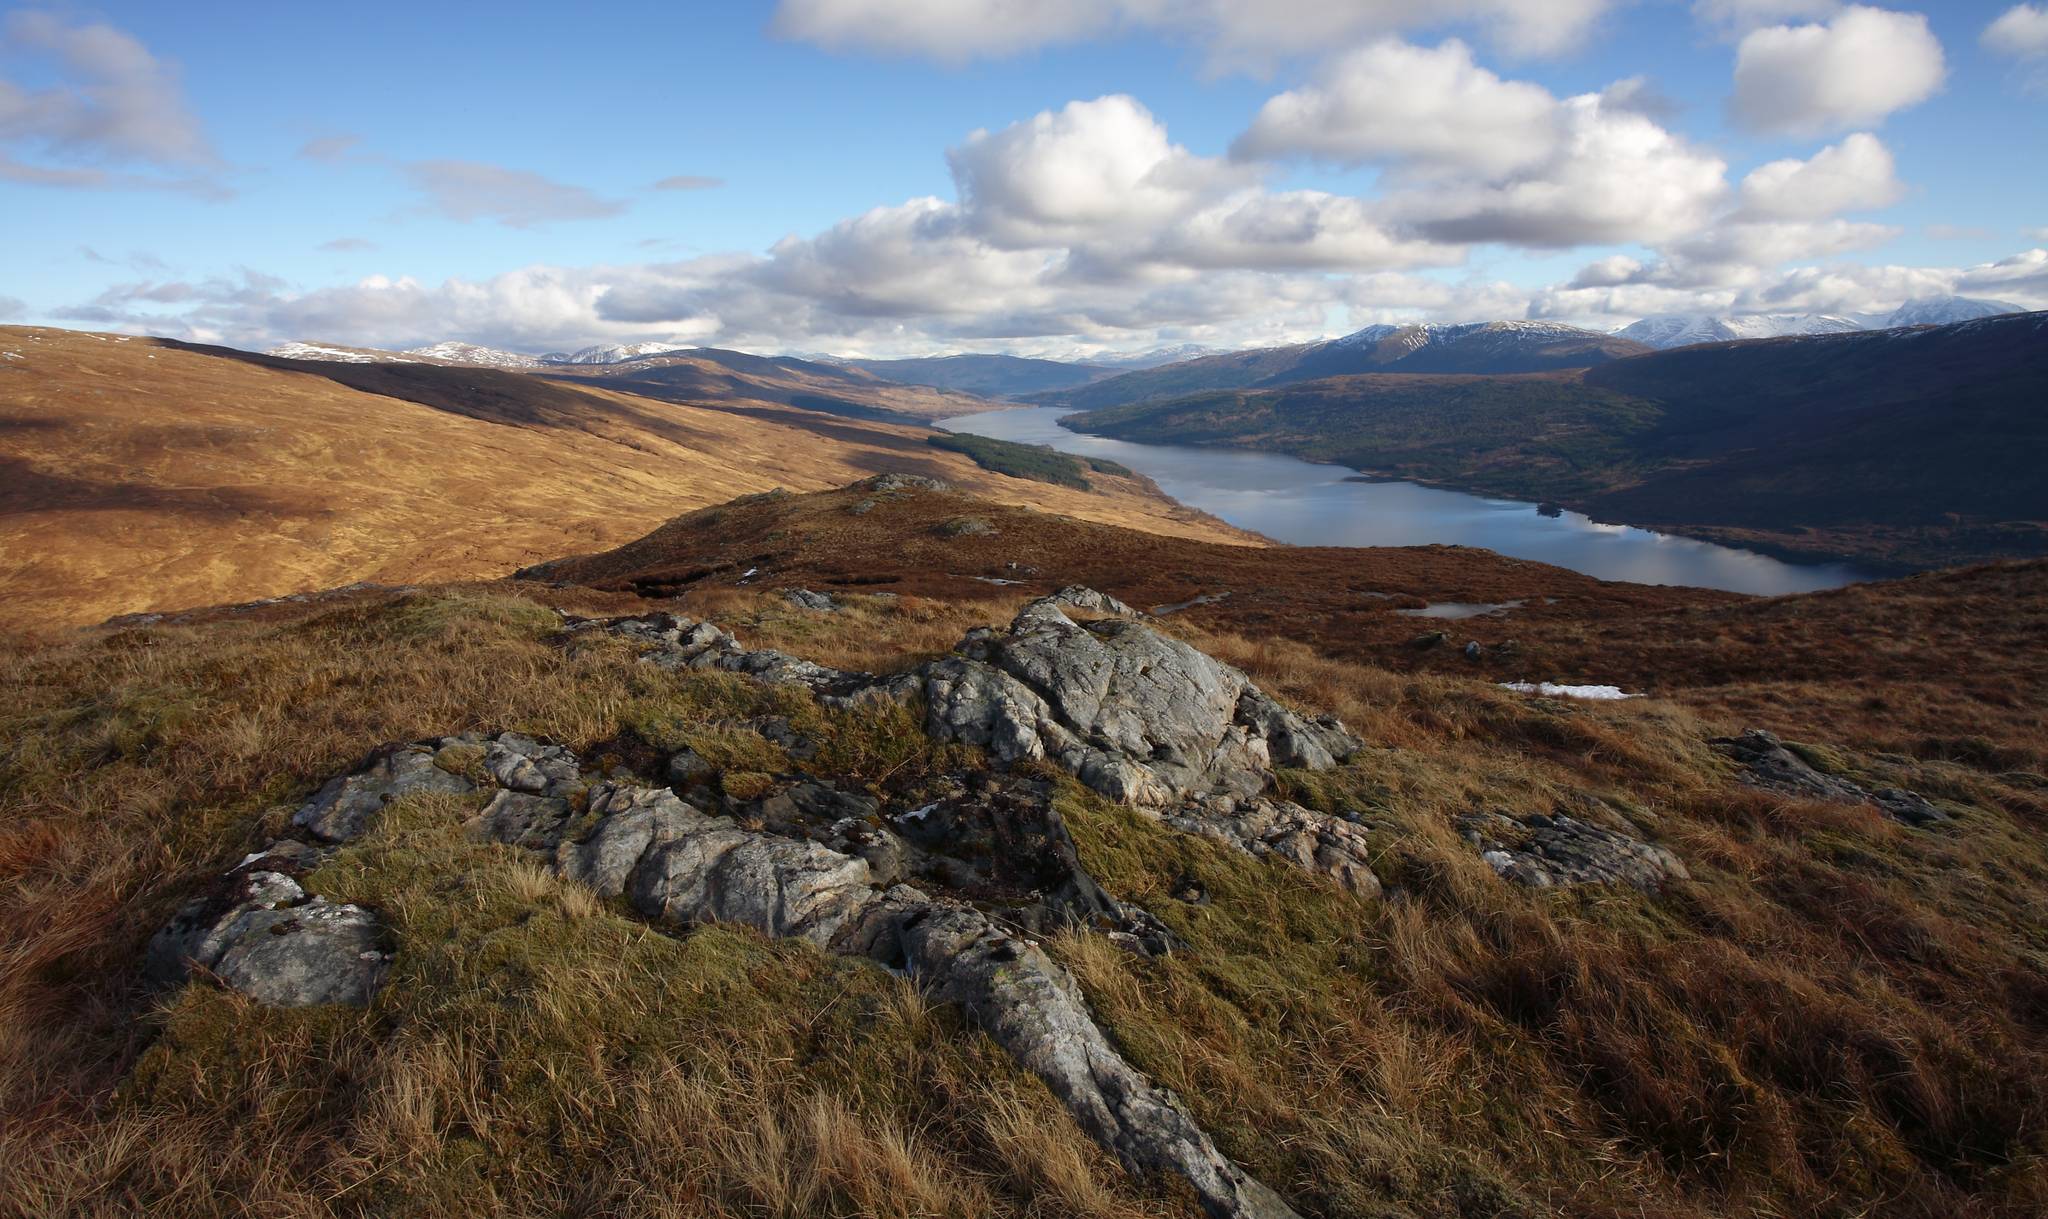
(1917, 447)
(1471, 349)
(140, 474)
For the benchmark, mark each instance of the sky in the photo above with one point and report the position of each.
(1042, 177)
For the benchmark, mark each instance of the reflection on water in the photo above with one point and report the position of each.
(1318, 505)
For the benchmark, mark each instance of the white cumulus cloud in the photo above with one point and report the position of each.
(1391, 101)
(1612, 176)
(1858, 67)
(1854, 175)
(2021, 32)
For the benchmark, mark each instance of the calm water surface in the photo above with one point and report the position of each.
(1312, 505)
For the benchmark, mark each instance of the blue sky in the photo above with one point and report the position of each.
(249, 173)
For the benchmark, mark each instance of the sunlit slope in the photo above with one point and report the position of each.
(137, 474)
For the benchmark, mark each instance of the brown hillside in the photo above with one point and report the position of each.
(138, 474)
(1943, 664)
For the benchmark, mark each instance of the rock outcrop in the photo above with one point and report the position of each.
(1767, 763)
(1557, 849)
(807, 862)
(262, 934)
(1134, 714)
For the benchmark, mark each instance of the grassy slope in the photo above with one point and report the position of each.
(138, 475)
(1839, 1015)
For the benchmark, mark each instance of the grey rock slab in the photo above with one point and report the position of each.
(1032, 1008)
(1138, 715)
(1080, 596)
(1313, 841)
(261, 934)
(300, 956)
(1542, 851)
(524, 819)
(344, 807)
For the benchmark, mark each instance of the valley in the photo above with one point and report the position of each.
(1902, 449)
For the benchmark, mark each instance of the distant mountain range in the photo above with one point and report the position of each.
(991, 376)
(610, 354)
(1469, 348)
(689, 375)
(1667, 330)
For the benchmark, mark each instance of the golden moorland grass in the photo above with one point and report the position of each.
(141, 475)
(1838, 1017)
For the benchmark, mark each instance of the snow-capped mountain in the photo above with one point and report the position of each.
(454, 352)
(339, 355)
(1465, 347)
(1667, 330)
(1150, 358)
(616, 354)
(1942, 310)
(1684, 329)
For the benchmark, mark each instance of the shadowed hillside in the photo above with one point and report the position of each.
(1914, 448)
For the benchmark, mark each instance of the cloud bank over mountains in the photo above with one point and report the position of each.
(1087, 226)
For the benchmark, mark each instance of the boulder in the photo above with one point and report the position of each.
(1080, 596)
(1315, 842)
(804, 598)
(260, 933)
(1137, 715)
(299, 956)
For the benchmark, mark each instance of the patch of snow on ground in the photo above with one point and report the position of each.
(1552, 690)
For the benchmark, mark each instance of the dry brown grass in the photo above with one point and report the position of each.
(1841, 1017)
(137, 475)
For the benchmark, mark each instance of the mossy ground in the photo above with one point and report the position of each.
(1841, 1017)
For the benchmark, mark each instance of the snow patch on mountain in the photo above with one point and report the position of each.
(1667, 330)
(1945, 310)
(455, 352)
(338, 355)
(617, 354)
